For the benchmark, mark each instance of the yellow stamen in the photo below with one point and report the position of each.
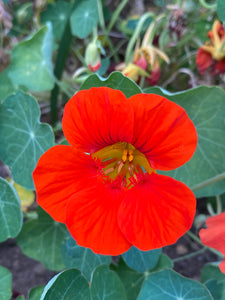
(122, 159)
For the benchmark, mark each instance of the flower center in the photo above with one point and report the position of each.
(123, 162)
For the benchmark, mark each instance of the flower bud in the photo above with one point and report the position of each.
(93, 57)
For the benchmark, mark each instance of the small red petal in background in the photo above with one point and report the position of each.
(156, 212)
(92, 219)
(218, 67)
(203, 60)
(97, 118)
(214, 235)
(162, 131)
(60, 172)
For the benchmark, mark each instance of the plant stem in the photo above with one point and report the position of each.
(135, 35)
(63, 52)
(187, 256)
(106, 35)
(197, 240)
(208, 182)
(115, 16)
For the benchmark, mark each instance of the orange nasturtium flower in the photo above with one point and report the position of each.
(212, 55)
(104, 186)
(214, 236)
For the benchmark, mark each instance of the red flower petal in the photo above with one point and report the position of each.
(162, 131)
(203, 60)
(92, 219)
(156, 212)
(97, 118)
(218, 67)
(58, 175)
(214, 235)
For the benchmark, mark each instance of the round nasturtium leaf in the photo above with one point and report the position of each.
(23, 138)
(169, 285)
(41, 239)
(31, 62)
(205, 106)
(116, 80)
(106, 285)
(57, 14)
(11, 218)
(5, 284)
(141, 260)
(84, 18)
(81, 258)
(67, 285)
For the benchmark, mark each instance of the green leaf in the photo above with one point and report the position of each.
(169, 285)
(164, 262)
(6, 85)
(205, 106)
(81, 258)
(221, 10)
(212, 271)
(5, 284)
(11, 218)
(41, 239)
(106, 285)
(216, 289)
(36, 292)
(131, 279)
(23, 138)
(141, 260)
(116, 80)
(31, 62)
(84, 18)
(57, 14)
(67, 285)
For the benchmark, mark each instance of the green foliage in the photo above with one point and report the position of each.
(6, 85)
(83, 259)
(141, 260)
(10, 213)
(169, 285)
(205, 106)
(31, 62)
(221, 10)
(131, 279)
(106, 285)
(5, 284)
(84, 18)
(212, 271)
(57, 14)
(36, 292)
(23, 138)
(116, 80)
(41, 239)
(67, 285)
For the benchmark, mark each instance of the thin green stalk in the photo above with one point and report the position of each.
(197, 240)
(115, 16)
(208, 182)
(208, 6)
(106, 36)
(135, 35)
(187, 256)
(63, 52)
(219, 207)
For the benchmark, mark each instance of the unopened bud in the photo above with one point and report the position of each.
(93, 57)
